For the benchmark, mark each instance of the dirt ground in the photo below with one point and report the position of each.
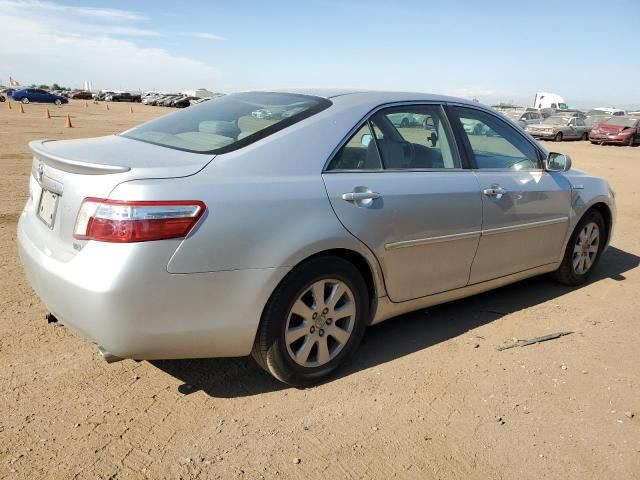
(428, 395)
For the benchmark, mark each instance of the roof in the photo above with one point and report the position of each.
(345, 96)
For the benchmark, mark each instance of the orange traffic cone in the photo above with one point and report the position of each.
(8, 105)
(107, 108)
(130, 108)
(47, 114)
(67, 124)
(21, 109)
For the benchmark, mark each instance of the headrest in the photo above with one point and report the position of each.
(219, 127)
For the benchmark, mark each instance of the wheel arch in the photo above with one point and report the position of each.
(607, 215)
(371, 274)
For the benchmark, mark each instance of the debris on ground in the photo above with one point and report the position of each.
(532, 341)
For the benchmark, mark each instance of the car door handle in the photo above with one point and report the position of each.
(360, 196)
(494, 192)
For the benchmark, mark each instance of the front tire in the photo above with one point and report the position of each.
(583, 250)
(632, 141)
(313, 322)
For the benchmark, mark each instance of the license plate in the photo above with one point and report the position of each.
(47, 207)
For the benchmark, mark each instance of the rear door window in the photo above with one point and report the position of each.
(415, 137)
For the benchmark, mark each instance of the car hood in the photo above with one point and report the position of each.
(605, 127)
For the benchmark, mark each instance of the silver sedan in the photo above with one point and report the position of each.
(211, 232)
(559, 128)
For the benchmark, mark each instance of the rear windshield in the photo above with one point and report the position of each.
(228, 123)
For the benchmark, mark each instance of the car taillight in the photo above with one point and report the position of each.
(136, 221)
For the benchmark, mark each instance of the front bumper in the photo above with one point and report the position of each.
(542, 135)
(609, 138)
(121, 297)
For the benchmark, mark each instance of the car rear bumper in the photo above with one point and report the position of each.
(121, 297)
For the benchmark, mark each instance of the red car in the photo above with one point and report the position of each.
(81, 95)
(618, 130)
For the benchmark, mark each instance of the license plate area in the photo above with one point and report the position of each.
(47, 207)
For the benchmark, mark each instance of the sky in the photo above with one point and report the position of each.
(495, 51)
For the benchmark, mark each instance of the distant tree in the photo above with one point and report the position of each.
(55, 86)
(43, 87)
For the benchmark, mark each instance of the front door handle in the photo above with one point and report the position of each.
(360, 196)
(494, 192)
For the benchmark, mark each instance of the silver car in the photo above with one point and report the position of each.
(559, 128)
(524, 118)
(210, 232)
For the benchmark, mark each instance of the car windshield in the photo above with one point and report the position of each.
(228, 122)
(593, 113)
(622, 121)
(556, 120)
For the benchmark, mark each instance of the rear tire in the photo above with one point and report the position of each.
(583, 251)
(295, 341)
(585, 137)
(57, 102)
(25, 100)
(558, 137)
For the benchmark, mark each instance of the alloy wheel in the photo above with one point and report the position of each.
(320, 322)
(586, 247)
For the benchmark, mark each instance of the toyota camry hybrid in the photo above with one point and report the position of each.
(213, 232)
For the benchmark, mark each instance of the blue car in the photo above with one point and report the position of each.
(27, 95)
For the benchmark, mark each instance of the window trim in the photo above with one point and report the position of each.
(468, 150)
(465, 165)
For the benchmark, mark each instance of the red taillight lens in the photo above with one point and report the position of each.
(136, 221)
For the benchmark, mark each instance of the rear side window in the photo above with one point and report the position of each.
(415, 137)
(228, 123)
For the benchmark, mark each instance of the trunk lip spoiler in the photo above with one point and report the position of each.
(72, 166)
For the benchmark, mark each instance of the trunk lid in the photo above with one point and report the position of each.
(65, 172)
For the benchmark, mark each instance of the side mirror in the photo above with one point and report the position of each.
(557, 162)
(365, 139)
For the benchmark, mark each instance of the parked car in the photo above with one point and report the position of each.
(573, 113)
(204, 233)
(168, 101)
(124, 97)
(405, 120)
(558, 128)
(524, 118)
(184, 102)
(475, 127)
(600, 114)
(102, 95)
(617, 130)
(27, 95)
(81, 95)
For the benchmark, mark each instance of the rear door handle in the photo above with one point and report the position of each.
(360, 196)
(494, 192)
